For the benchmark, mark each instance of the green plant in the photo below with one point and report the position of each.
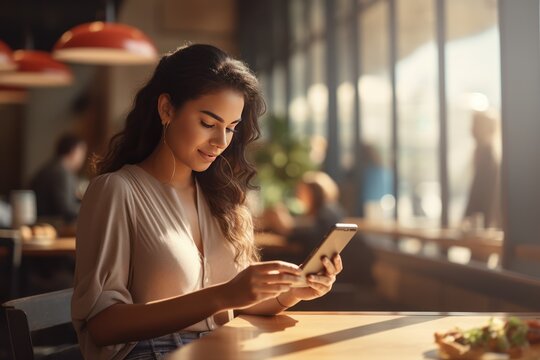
(281, 160)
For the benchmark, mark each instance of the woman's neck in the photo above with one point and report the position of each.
(163, 165)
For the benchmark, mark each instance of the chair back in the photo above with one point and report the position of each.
(34, 313)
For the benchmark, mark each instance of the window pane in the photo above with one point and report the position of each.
(279, 100)
(344, 8)
(345, 94)
(473, 85)
(375, 106)
(298, 107)
(316, 16)
(297, 21)
(318, 91)
(418, 128)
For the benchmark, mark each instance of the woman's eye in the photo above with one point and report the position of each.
(210, 126)
(206, 125)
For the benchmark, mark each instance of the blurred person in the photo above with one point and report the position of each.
(56, 183)
(56, 189)
(484, 194)
(376, 182)
(319, 194)
(165, 246)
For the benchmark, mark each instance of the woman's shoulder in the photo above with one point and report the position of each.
(115, 183)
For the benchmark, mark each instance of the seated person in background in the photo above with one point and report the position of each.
(319, 194)
(55, 184)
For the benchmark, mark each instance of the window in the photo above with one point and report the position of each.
(473, 85)
(345, 86)
(298, 106)
(419, 202)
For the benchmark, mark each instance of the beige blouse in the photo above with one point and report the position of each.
(133, 246)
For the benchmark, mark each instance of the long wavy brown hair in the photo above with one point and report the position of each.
(186, 74)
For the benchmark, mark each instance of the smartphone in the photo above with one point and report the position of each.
(333, 243)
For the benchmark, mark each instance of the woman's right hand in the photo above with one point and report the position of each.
(259, 282)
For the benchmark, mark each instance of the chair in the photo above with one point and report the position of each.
(10, 262)
(34, 314)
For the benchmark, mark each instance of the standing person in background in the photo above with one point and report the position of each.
(55, 184)
(484, 195)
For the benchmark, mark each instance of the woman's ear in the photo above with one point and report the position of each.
(165, 108)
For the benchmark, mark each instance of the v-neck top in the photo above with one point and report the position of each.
(134, 246)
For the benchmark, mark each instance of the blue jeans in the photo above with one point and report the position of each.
(157, 348)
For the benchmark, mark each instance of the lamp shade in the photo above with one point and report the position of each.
(6, 58)
(105, 43)
(36, 69)
(12, 95)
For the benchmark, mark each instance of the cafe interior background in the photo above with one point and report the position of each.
(382, 95)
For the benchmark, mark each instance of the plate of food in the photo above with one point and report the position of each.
(509, 338)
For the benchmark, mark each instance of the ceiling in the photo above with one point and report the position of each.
(44, 21)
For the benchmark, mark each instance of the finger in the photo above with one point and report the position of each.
(318, 287)
(279, 278)
(330, 268)
(271, 288)
(322, 279)
(279, 266)
(338, 263)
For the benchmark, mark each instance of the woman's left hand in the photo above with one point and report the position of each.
(321, 283)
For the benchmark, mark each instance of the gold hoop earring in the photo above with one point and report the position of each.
(165, 127)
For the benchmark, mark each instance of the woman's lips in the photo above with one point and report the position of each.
(206, 156)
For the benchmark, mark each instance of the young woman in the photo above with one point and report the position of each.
(165, 248)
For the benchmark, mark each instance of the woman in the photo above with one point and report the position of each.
(165, 248)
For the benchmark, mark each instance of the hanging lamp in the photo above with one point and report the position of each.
(36, 69)
(105, 43)
(6, 58)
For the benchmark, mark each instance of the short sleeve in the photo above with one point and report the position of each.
(103, 248)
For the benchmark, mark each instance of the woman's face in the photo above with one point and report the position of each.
(202, 129)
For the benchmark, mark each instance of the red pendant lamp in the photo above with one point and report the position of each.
(105, 43)
(36, 69)
(6, 58)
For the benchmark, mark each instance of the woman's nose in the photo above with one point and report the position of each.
(219, 138)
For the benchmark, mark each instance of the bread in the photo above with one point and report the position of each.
(40, 231)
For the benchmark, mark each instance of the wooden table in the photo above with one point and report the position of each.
(66, 245)
(330, 335)
(57, 247)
